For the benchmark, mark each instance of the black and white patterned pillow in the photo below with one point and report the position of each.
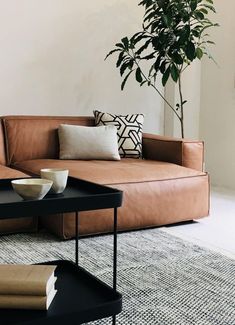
(130, 129)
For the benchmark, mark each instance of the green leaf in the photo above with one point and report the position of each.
(176, 57)
(125, 41)
(125, 80)
(199, 53)
(131, 63)
(166, 20)
(149, 16)
(150, 70)
(149, 56)
(204, 11)
(111, 52)
(123, 68)
(211, 8)
(138, 75)
(137, 38)
(190, 51)
(163, 67)
(148, 10)
(119, 45)
(195, 32)
(199, 15)
(193, 5)
(210, 42)
(155, 42)
(184, 34)
(161, 3)
(143, 47)
(157, 63)
(120, 59)
(136, 35)
(155, 77)
(174, 73)
(166, 76)
(142, 83)
(146, 3)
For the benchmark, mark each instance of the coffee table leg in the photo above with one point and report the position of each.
(114, 255)
(76, 237)
(115, 249)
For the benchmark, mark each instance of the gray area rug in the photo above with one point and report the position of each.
(164, 280)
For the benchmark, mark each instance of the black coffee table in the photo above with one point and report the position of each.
(81, 297)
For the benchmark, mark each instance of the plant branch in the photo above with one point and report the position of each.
(181, 105)
(166, 101)
(152, 85)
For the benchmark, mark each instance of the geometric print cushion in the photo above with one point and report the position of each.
(129, 131)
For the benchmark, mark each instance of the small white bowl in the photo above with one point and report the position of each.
(59, 177)
(32, 188)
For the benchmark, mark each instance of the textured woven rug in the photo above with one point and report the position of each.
(164, 280)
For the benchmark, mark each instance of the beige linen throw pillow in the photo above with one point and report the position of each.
(87, 142)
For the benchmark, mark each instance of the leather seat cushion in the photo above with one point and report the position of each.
(155, 193)
(21, 224)
(2, 146)
(112, 172)
(6, 172)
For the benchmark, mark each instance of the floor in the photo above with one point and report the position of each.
(216, 232)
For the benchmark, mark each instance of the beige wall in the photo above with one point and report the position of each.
(210, 90)
(52, 59)
(217, 120)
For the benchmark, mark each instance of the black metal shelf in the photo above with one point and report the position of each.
(81, 297)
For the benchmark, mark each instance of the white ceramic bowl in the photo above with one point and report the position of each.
(59, 177)
(32, 188)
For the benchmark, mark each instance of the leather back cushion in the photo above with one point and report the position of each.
(2, 146)
(36, 137)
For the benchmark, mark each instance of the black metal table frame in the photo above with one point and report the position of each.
(114, 250)
(104, 198)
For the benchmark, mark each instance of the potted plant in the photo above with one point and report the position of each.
(173, 35)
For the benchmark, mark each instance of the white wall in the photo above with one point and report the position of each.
(217, 120)
(52, 59)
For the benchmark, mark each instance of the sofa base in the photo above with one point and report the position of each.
(185, 199)
(10, 226)
(18, 225)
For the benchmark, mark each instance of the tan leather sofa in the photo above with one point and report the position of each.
(13, 225)
(166, 186)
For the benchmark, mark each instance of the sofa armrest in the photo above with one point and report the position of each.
(182, 152)
(2, 146)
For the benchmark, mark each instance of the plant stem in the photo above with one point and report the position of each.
(152, 85)
(166, 101)
(181, 107)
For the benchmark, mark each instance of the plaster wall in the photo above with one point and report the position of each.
(217, 118)
(52, 59)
